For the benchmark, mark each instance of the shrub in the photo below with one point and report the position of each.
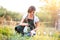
(5, 32)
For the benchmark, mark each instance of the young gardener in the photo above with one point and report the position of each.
(29, 20)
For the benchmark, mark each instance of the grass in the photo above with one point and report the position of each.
(43, 33)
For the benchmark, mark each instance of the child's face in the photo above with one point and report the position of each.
(32, 13)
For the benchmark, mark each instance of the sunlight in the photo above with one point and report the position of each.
(21, 5)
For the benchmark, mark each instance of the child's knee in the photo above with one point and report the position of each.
(15, 28)
(19, 29)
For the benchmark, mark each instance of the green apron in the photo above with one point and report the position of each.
(30, 22)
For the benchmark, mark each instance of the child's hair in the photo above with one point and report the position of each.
(31, 8)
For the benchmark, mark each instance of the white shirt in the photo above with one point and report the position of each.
(35, 18)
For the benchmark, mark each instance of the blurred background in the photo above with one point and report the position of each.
(48, 12)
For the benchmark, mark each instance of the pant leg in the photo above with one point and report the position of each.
(19, 29)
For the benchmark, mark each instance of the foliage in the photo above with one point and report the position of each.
(41, 34)
(47, 33)
(9, 14)
(5, 32)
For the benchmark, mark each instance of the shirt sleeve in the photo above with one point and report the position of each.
(24, 16)
(36, 19)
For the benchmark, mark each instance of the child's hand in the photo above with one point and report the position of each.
(33, 32)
